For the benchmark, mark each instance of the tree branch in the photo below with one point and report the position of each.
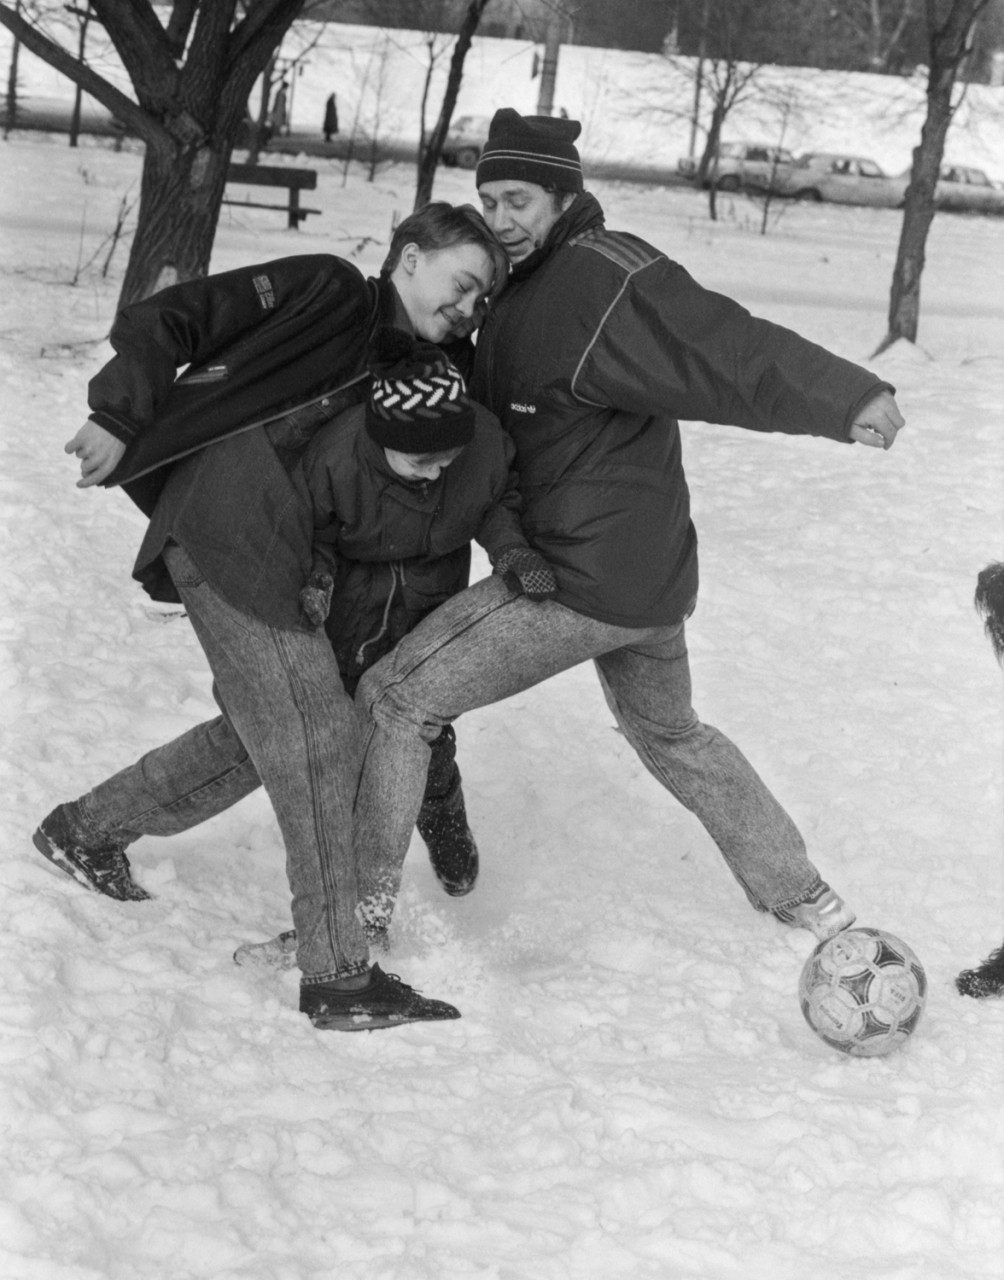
(121, 107)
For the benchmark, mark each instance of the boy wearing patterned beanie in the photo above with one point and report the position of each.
(399, 486)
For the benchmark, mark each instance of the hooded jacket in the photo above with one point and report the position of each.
(596, 348)
(397, 549)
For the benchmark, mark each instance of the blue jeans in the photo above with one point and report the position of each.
(486, 644)
(287, 724)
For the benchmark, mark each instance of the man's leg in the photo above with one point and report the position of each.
(283, 695)
(647, 687)
(482, 645)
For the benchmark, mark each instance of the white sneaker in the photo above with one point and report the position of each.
(825, 914)
(277, 953)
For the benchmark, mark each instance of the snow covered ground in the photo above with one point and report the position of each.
(632, 1093)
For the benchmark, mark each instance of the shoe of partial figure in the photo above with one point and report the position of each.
(452, 850)
(986, 979)
(278, 953)
(825, 914)
(385, 1002)
(104, 868)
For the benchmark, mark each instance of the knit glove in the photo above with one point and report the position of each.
(315, 598)
(525, 571)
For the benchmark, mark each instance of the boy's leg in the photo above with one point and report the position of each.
(174, 787)
(442, 821)
(284, 697)
(648, 689)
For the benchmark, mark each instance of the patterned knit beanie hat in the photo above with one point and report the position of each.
(418, 402)
(536, 149)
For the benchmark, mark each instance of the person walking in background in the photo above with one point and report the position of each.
(330, 118)
(594, 349)
(279, 118)
(273, 352)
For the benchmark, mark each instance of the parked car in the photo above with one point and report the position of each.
(843, 179)
(463, 143)
(750, 166)
(968, 190)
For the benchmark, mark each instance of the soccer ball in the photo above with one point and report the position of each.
(863, 992)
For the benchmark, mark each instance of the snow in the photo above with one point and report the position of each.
(632, 1090)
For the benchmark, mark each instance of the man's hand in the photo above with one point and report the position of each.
(878, 422)
(526, 572)
(99, 453)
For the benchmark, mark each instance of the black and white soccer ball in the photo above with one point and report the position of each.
(863, 992)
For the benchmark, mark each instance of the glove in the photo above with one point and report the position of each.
(526, 572)
(315, 598)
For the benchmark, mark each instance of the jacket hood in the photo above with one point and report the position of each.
(583, 214)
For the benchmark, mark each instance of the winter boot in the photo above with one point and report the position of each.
(825, 913)
(442, 824)
(103, 868)
(385, 1002)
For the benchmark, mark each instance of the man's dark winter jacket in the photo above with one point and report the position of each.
(399, 549)
(597, 346)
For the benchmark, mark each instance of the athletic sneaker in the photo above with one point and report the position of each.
(103, 868)
(277, 953)
(825, 914)
(385, 1002)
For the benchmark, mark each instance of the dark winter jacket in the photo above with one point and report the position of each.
(253, 343)
(397, 549)
(270, 353)
(595, 349)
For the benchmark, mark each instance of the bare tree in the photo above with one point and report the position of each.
(876, 29)
(430, 151)
(950, 28)
(720, 76)
(191, 73)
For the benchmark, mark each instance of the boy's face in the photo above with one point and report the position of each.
(440, 288)
(421, 466)
(521, 214)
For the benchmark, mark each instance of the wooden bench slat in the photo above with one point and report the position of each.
(264, 175)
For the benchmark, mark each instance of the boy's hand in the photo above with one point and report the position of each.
(99, 453)
(878, 422)
(526, 571)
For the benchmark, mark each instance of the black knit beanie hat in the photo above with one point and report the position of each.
(536, 149)
(418, 402)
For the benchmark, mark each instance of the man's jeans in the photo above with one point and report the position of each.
(486, 644)
(287, 723)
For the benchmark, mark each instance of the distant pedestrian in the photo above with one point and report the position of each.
(280, 110)
(330, 118)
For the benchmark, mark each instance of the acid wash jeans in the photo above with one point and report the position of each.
(287, 724)
(486, 644)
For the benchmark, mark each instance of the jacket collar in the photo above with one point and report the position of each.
(583, 214)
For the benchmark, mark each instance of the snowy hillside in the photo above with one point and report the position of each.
(634, 107)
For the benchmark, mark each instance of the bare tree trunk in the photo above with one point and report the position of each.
(180, 196)
(191, 81)
(429, 155)
(949, 46)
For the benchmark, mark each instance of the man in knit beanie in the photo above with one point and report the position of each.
(535, 159)
(594, 350)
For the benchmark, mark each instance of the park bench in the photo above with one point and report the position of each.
(265, 175)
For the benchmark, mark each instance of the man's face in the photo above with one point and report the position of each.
(521, 214)
(440, 288)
